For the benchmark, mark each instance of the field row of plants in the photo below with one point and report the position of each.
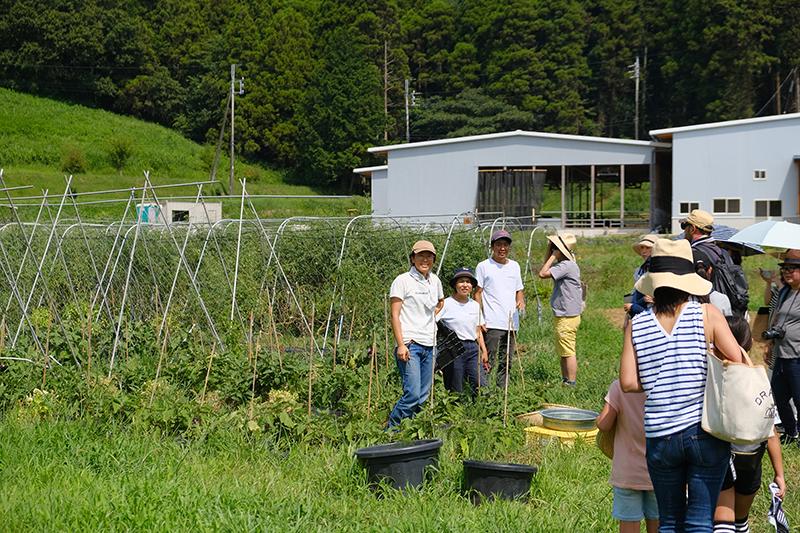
(182, 434)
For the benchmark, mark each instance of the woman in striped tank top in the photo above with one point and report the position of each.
(664, 355)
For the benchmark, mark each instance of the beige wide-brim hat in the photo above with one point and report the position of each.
(672, 265)
(565, 243)
(648, 241)
(702, 220)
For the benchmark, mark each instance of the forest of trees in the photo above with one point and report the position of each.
(325, 79)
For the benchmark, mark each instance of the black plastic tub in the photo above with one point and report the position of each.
(508, 481)
(401, 464)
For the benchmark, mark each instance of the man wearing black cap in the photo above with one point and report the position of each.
(784, 332)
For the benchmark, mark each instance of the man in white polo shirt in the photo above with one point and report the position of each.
(500, 293)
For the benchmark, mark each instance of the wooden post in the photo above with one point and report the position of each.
(208, 373)
(563, 196)
(255, 372)
(89, 343)
(250, 341)
(372, 359)
(622, 196)
(335, 344)
(158, 367)
(386, 328)
(275, 333)
(3, 335)
(508, 371)
(591, 196)
(47, 349)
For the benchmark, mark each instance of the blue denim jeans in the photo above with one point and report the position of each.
(467, 366)
(689, 458)
(417, 374)
(786, 386)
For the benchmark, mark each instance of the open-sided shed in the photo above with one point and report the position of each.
(577, 181)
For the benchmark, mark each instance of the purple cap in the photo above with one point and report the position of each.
(501, 234)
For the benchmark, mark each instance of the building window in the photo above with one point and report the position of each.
(759, 174)
(728, 206)
(768, 208)
(688, 207)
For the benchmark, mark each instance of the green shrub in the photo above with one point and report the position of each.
(120, 150)
(73, 160)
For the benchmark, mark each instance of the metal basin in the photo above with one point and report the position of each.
(569, 419)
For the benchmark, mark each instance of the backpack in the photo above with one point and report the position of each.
(727, 277)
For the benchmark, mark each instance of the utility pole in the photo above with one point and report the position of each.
(232, 98)
(633, 72)
(796, 90)
(777, 93)
(233, 77)
(408, 129)
(385, 90)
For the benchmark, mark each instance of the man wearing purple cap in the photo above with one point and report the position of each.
(500, 295)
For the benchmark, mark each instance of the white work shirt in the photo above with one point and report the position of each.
(463, 319)
(500, 283)
(420, 297)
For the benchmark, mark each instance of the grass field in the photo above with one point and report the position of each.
(69, 462)
(38, 136)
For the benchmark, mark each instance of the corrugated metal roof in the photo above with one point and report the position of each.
(517, 133)
(666, 133)
(369, 170)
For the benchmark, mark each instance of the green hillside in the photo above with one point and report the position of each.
(41, 139)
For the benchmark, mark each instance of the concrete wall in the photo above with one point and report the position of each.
(443, 179)
(719, 163)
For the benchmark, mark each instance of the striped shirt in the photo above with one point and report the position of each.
(672, 369)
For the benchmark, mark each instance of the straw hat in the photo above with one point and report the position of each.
(672, 265)
(565, 244)
(645, 242)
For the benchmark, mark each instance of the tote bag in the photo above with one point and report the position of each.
(738, 405)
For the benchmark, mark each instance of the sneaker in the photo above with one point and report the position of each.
(568, 383)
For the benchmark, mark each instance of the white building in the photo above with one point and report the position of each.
(196, 213)
(741, 171)
(574, 180)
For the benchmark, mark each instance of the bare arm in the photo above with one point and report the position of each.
(725, 344)
(628, 369)
(520, 298)
(607, 418)
(544, 272)
(484, 353)
(776, 458)
(402, 350)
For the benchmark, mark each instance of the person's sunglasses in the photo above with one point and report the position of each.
(789, 268)
(684, 225)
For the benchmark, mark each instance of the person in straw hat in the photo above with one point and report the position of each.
(639, 302)
(415, 297)
(566, 300)
(664, 355)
